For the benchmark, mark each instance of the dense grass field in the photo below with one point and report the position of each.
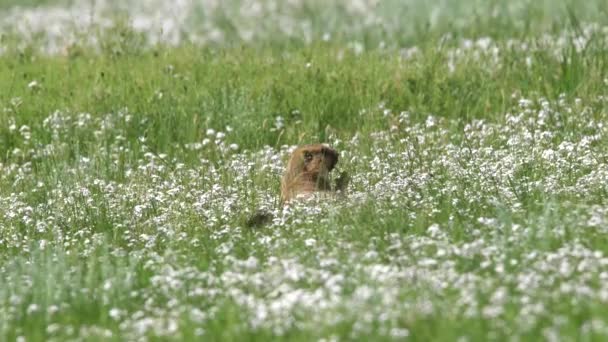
(137, 138)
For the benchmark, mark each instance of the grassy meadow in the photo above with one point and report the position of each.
(137, 138)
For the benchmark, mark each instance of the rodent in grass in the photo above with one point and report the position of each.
(307, 172)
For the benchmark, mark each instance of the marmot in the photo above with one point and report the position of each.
(307, 172)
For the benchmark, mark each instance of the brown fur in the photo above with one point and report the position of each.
(308, 171)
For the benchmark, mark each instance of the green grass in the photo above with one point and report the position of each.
(477, 207)
(8, 4)
(182, 92)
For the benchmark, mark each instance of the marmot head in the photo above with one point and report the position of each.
(314, 161)
(308, 170)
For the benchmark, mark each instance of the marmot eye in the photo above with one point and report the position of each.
(307, 156)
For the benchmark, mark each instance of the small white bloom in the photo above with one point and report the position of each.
(310, 242)
(251, 263)
(32, 308)
(399, 333)
(33, 85)
(115, 313)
